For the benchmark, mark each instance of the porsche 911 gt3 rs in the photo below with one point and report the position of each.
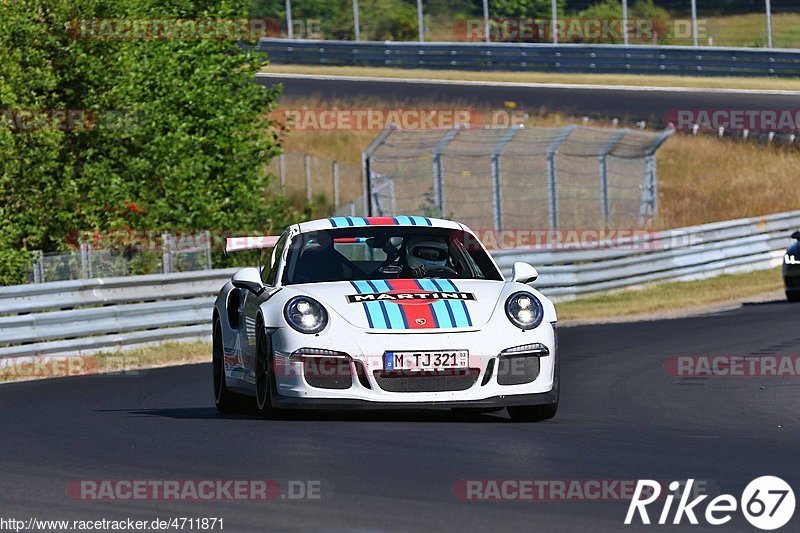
(383, 312)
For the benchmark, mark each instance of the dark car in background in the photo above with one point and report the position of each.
(791, 269)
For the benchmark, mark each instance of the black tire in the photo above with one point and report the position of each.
(264, 378)
(227, 402)
(793, 296)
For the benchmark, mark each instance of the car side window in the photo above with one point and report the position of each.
(270, 271)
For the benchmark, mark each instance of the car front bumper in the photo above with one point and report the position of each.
(366, 385)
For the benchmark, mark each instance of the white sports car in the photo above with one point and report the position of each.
(383, 312)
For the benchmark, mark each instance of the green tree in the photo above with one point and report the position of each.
(179, 135)
(537, 9)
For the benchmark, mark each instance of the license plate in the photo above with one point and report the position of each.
(426, 360)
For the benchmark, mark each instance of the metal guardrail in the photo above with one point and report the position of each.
(682, 254)
(599, 58)
(80, 316)
(68, 317)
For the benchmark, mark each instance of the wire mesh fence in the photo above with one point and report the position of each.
(165, 253)
(738, 23)
(312, 177)
(501, 178)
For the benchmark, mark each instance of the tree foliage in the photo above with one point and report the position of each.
(178, 137)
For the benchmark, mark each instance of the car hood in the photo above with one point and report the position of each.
(794, 249)
(409, 304)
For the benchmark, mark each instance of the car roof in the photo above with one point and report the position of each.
(400, 220)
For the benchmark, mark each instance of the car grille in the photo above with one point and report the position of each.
(327, 372)
(517, 369)
(427, 381)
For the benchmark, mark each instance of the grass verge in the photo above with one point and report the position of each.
(672, 298)
(125, 362)
(638, 80)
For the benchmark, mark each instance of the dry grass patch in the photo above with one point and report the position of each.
(664, 298)
(123, 362)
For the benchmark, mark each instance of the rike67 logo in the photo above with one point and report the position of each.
(767, 503)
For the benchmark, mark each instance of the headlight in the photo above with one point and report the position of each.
(790, 260)
(305, 314)
(524, 310)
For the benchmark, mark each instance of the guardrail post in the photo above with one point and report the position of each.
(366, 167)
(438, 179)
(552, 181)
(497, 200)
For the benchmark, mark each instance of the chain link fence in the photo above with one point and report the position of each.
(700, 23)
(303, 175)
(165, 254)
(503, 178)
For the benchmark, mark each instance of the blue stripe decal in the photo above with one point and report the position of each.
(358, 221)
(364, 305)
(375, 314)
(421, 221)
(459, 307)
(441, 308)
(393, 311)
(403, 220)
(446, 306)
(338, 222)
(390, 319)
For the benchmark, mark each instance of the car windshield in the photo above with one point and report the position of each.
(386, 252)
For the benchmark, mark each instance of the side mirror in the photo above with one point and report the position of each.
(523, 273)
(248, 278)
(796, 235)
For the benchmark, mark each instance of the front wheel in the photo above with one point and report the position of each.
(264, 378)
(227, 402)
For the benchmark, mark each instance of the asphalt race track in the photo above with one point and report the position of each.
(622, 417)
(628, 105)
